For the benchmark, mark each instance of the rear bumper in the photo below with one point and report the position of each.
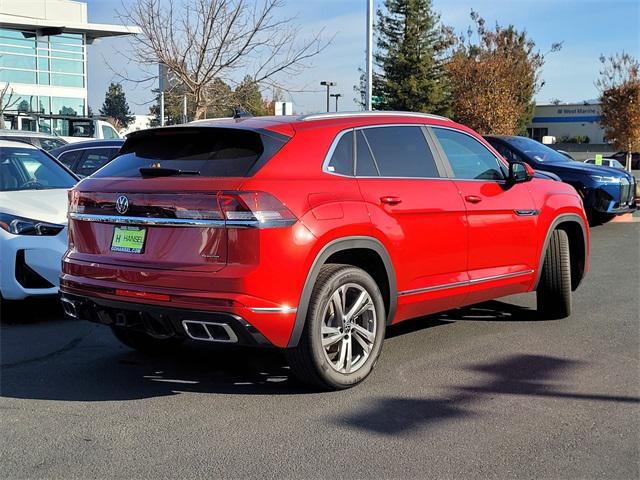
(165, 322)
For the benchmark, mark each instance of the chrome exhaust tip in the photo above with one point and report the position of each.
(69, 307)
(209, 331)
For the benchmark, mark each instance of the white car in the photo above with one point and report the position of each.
(33, 219)
(606, 162)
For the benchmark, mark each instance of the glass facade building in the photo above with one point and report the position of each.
(43, 59)
(27, 58)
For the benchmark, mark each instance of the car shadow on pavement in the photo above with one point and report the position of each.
(90, 365)
(100, 373)
(492, 311)
(521, 375)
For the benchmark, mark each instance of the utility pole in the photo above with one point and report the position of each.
(162, 78)
(328, 85)
(336, 96)
(161, 108)
(369, 53)
(184, 109)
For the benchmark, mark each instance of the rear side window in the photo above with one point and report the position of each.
(469, 159)
(365, 165)
(401, 152)
(342, 158)
(210, 151)
(50, 143)
(94, 159)
(68, 159)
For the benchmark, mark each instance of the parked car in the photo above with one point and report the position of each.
(312, 234)
(606, 192)
(33, 218)
(606, 162)
(79, 129)
(622, 158)
(84, 158)
(40, 140)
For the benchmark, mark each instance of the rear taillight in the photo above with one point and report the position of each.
(254, 209)
(73, 197)
(231, 209)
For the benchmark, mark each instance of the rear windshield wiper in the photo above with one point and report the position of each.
(165, 172)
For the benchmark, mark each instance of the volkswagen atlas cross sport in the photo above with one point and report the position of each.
(312, 234)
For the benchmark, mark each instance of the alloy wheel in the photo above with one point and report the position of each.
(349, 324)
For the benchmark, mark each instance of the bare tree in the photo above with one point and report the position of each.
(6, 101)
(205, 42)
(619, 86)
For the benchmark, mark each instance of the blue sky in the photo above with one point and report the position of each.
(587, 28)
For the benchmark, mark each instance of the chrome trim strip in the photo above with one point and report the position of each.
(501, 276)
(434, 288)
(273, 309)
(233, 338)
(526, 213)
(464, 283)
(380, 113)
(339, 135)
(165, 222)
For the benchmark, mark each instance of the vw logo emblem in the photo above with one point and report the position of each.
(122, 205)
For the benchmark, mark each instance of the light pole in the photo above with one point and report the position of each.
(336, 96)
(328, 85)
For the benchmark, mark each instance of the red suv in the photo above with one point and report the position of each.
(312, 234)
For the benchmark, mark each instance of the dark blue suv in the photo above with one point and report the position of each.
(605, 191)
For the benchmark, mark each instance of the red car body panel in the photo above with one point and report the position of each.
(446, 238)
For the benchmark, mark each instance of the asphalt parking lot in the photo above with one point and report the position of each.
(490, 391)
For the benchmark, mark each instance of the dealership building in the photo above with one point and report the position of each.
(567, 121)
(43, 57)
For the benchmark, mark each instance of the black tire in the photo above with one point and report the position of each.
(554, 287)
(146, 343)
(308, 360)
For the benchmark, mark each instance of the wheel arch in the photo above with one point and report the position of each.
(355, 251)
(577, 232)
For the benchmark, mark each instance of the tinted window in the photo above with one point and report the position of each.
(401, 152)
(70, 158)
(94, 159)
(342, 158)
(536, 151)
(469, 159)
(210, 151)
(508, 154)
(31, 169)
(50, 143)
(365, 165)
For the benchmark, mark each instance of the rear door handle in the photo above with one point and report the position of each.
(473, 199)
(390, 200)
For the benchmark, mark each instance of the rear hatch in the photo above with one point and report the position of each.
(164, 202)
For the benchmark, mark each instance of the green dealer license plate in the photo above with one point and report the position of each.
(128, 239)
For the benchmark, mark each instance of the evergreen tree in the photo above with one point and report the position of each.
(115, 105)
(249, 98)
(411, 48)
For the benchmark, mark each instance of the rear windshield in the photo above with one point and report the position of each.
(209, 151)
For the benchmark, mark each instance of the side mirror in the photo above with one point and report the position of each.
(519, 172)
